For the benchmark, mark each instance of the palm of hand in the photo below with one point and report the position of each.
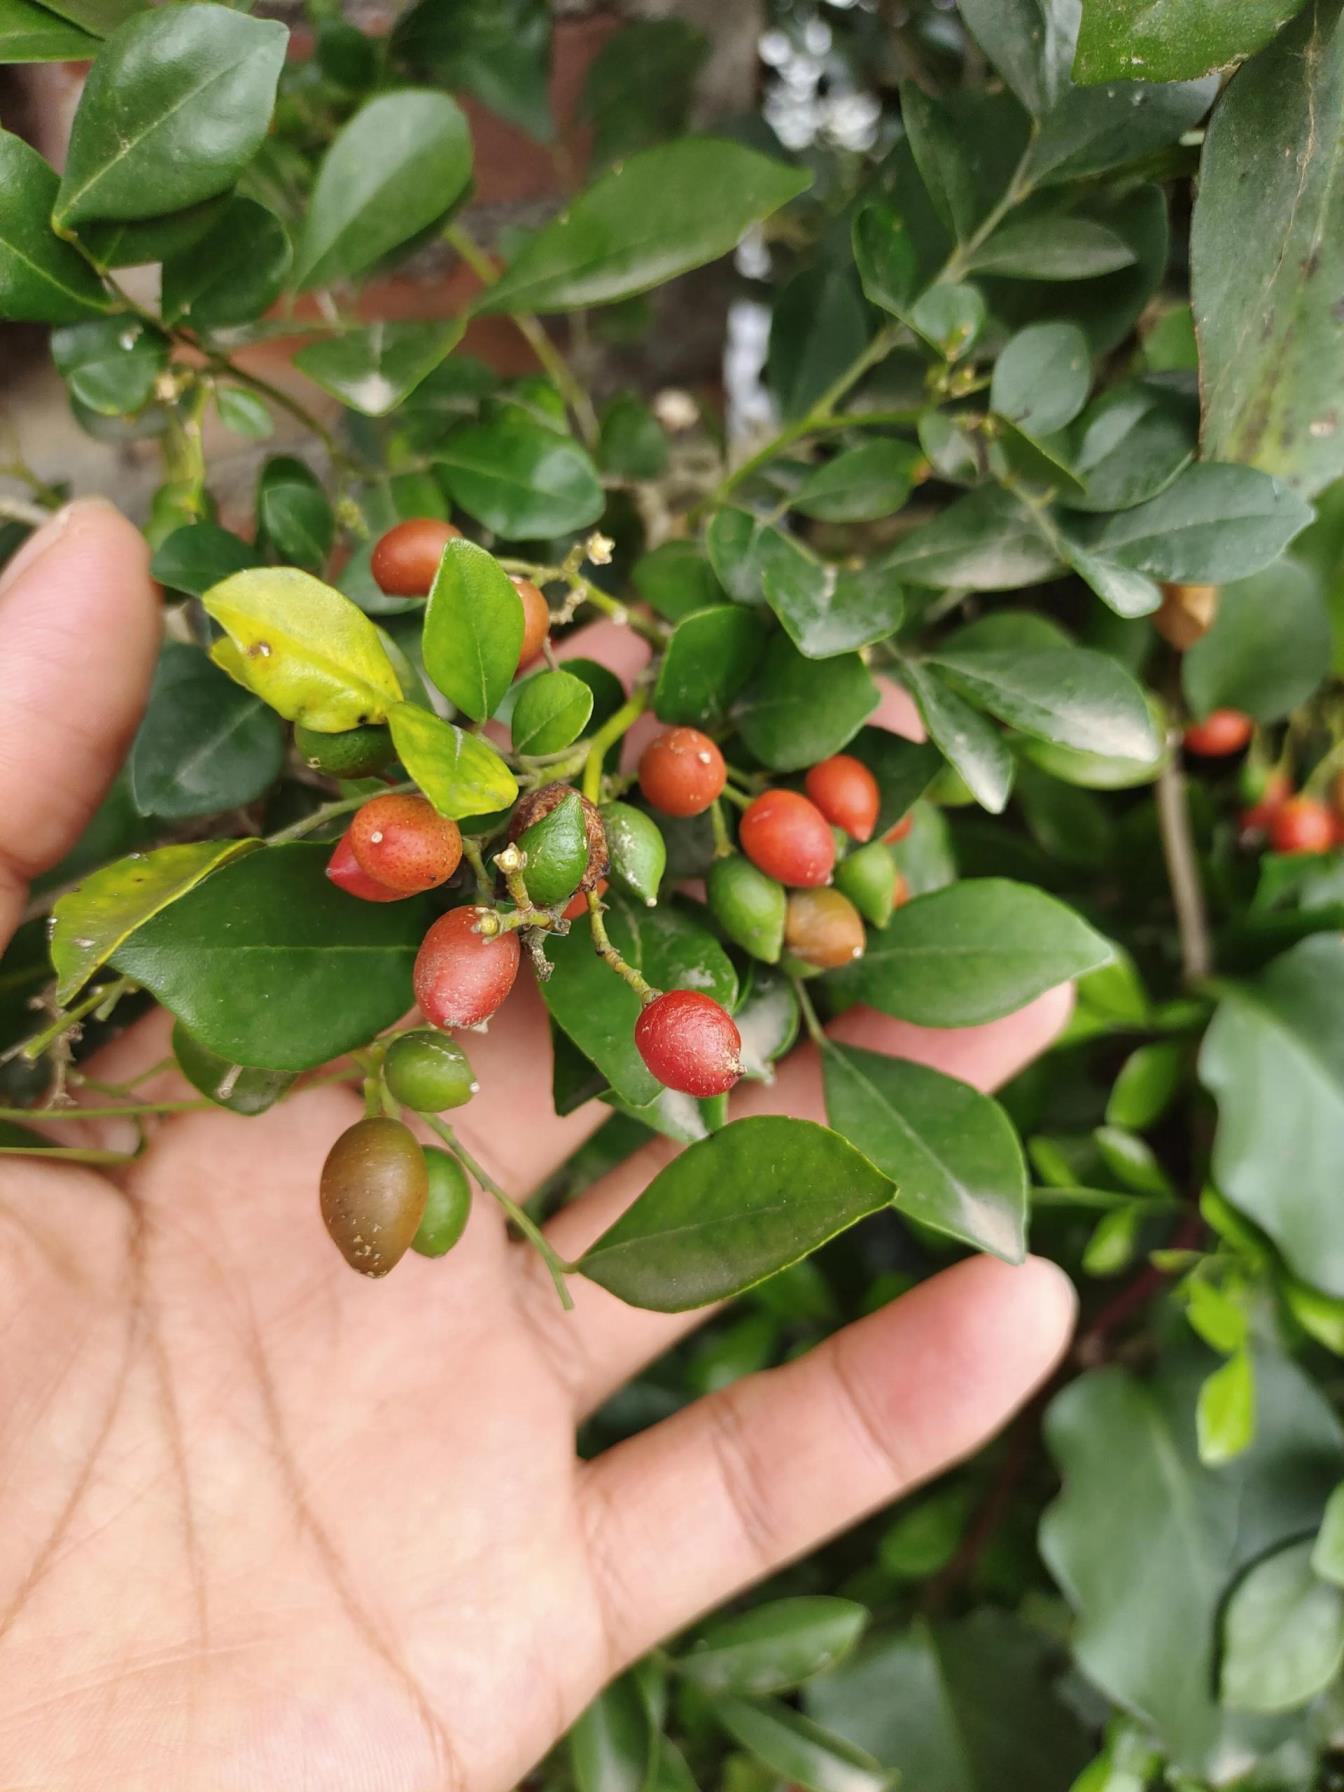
(263, 1523)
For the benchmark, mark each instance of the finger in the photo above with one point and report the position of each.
(780, 1461)
(79, 629)
(605, 1342)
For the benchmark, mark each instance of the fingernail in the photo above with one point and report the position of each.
(46, 537)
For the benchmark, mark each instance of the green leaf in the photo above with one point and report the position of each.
(100, 17)
(971, 953)
(1059, 248)
(110, 364)
(552, 710)
(711, 654)
(233, 1086)
(886, 259)
(268, 964)
(940, 154)
(460, 773)
(1172, 40)
(396, 167)
(1145, 1085)
(796, 1749)
(949, 318)
(1327, 1552)
(639, 86)
(660, 213)
(986, 541)
(1267, 255)
(951, 1151)
(1269, 647)
(1041, 378)
(631, 444)
(598, 1010)
(375, 369)
(904, 769)
(736, 543)
(89, 923)
(1283, 1634)
(303, 648)
(819, 327)
(861, 485)
(1225, 1410)
(204, 745)
(175, 107)
(132, 243)
(1128, 593)
(230, 275)
(827, 610)
(496, 50)
(972, 746)
(473, 629)
(1273, 1058)
(30, 33)
(520, 478)
(676, 578)
(244, 413)
(200, 555)
(613, 1746)
(1148, 1584)
(773, 1647)
(1130, 444)
(796, 711)
(731, 1210)
(1211, 524)
(294, 514)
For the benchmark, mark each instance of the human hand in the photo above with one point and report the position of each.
(264, 1523)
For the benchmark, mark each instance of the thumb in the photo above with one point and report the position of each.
(79, 630)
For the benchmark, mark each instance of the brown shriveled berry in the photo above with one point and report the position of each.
(1303, 824)
(373, 1192)
(461, 976)
(1221, 733)
(690, 1043)
(823, 928)
(681, 772)
(536, 619)
(537, 803)
(406, 559)
(346, 872)
(787, 836)
(1186, 614)
(405, 844)
(846, 792)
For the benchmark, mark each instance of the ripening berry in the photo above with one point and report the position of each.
(426, 1072)
(846, 792)
(346, 872)
(823, 928)
(538, 803)
(1274, 793)
(1186, 614)
(787, 836)
(406, 559)
(690, 1043)
(462, 976)
(901, 829)
(373, 1192)
(356, 753)
(536, 619)
(681, 771)
(447, 1207)
(1302, 824)
(1221, 733)
(405, 844)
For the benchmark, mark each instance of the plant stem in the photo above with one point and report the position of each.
(583, 591)
(33, 1048)
(1187, 889)
(125, 1110)
(611, 957)
(71, 1154)
(19, 510)
(606, 737)
(554, 1262)
(815, 1031)
(532, 332)
(328, 812)
(723, 844)
(472, 854)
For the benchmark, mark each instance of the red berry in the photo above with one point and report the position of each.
(681, 772)
(1303, 824)
(900, 890)
(1259, 817)
(406, 559)
(1220, 734)
(788, 837)
(536, 619)
(902, 828)
(846, 792)
(578, 902)
(345, 871)
(462, 976)
(690, 1043)
(405, 844)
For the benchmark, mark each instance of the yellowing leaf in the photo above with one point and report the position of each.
(460, 773)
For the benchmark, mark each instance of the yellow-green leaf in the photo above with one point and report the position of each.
(460, 773)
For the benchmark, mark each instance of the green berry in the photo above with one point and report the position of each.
(868, 878)
(749, 906)
(638, 852)
(356, 753)
(447, 1206)
(557, 847)
(428, 1072)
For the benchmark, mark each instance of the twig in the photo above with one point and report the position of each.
(1187, 889)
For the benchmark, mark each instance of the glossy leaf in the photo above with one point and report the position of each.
(1041, 378)
(30, 33)
(89, 923)
(132, 243)
(268, 964)
(1211, 524)
(496, 50)
(904, 769)
(303, 648)
(394, 168)
(375, 369)
(1283, 1634)
(520, 478)
(676, 578)
(972, 952)
(731, 1210)
(200, 555)
(710, 656)
(613, 1746)
(244, 413)
(819, 326)
(1269, 647)
(973, 746)
(986, 541)
(176, 105)
(294, 514)
(1274, 1060)
(42, 279)
(660, 213)
(1130, 444)
(774, 1647)
(870, 481)
(1267, 252)
(798, 1750)
(796, 711)
(552, 710)
(736, 542)
(950, 318)
(473, 632)
(204, 745)
(110, 364)
(460, 773)
(640, 85)
(233, 1086)
(632, 444)
(886, 259)
(1059, 248)
(1169, 40)
(951, 1152)
(230, 275)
